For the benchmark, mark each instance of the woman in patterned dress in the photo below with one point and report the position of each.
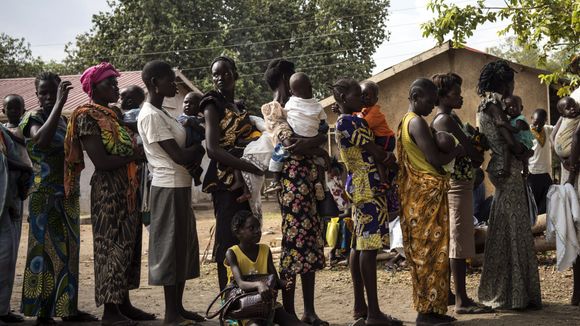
(424, 212)
(510, 278)
(51, 273)
(227, 124)
(302, 240)
(370, 212)
(114, 215)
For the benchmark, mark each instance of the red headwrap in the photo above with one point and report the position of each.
(95, 74)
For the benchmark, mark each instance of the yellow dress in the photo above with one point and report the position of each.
(247, 266)
(424, 223)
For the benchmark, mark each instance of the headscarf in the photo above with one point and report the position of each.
(96, 74)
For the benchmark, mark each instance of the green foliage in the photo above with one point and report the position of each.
(544, 27)
(510, 50)
(16, 60)
(325, 38)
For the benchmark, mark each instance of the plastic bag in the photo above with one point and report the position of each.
(332, 231)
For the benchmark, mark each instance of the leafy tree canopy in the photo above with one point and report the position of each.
(325, 38)
(543, 26)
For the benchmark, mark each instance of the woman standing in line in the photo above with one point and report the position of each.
(51, 272)
(302, 241)
(510, 278)
(114, 215)
(173, 244)
(460, 195)
(227, 124)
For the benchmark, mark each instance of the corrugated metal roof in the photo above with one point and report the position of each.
(25, 88)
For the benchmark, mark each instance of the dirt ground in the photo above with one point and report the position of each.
(333, 286)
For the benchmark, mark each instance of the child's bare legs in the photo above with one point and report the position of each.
(360, 306)
(576, 286)
(239, 182)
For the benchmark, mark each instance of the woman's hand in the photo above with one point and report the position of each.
(299, 146)
(62, 93)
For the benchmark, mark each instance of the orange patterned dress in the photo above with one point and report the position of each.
(424, 222)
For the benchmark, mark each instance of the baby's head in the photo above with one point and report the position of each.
(300, 85)
(370, 93)
(246, 227)
(568, 107)
(13, 108)
(513, 106)
(191, 103)
(445, 141)
(131, 97)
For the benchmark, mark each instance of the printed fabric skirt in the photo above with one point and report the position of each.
(302, 240)
(51, 273)
(117, 235)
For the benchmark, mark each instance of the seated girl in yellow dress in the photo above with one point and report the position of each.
(251, 257)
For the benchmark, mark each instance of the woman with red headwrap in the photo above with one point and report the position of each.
(116, 224)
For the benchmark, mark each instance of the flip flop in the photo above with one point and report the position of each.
(473, 310)
(358, 322)
(80, 317)
(317, 322)
(190, 315)
(120, 323)
(140, 315)
(11, 318)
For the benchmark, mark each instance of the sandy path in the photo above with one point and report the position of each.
(333, 292)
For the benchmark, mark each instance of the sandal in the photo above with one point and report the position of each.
(473, 310)
(11, 318)
(316, 322)
(120, 323)
(80, 317)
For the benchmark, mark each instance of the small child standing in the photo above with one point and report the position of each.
(251, 257)
(307, 118)
(193, 122)
(519, 127)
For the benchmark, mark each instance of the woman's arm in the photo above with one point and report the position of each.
(102, 160)
(422, 136)
(42, 135)
(302, 146)
(261, 287)
(445, 123)
(214, 150)
(281, 284)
